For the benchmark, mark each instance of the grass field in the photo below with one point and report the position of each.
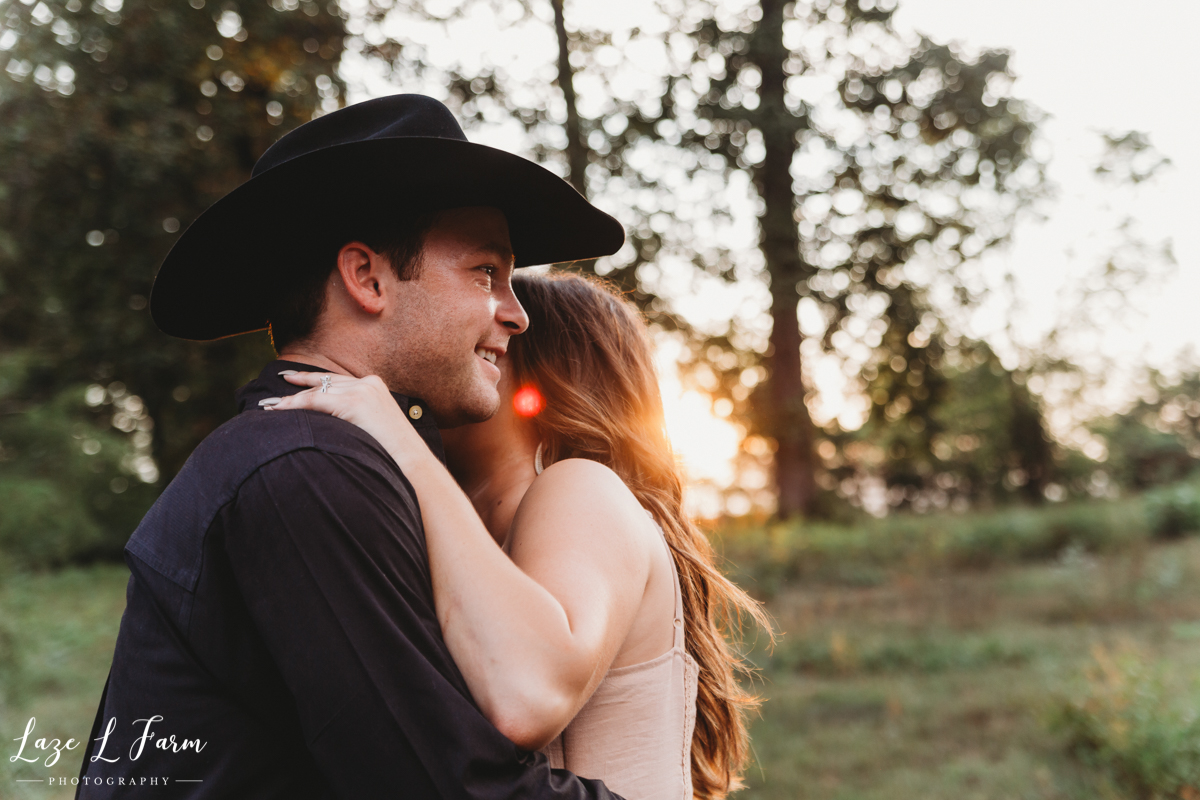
(920, 686)
(56, 637)
(948, 687)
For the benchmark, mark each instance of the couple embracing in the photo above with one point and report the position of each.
(440, 552)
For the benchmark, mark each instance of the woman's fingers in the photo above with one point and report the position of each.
(318, 382)
(309, 398)
(340, 395)
(365, 402)
(326, 382)
(305, 378)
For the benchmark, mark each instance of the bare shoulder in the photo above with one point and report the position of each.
(582, 472)
(583, 481)
(583, 495)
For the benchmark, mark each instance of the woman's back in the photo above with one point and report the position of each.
(635, 731)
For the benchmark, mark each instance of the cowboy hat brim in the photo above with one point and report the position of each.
(219, 277)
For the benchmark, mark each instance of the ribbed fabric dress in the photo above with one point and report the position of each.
(635, 732)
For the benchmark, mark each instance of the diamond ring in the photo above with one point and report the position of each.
(326, 382)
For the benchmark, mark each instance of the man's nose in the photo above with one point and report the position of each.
(511, 314)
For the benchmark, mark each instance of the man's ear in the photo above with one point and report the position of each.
(363, 272)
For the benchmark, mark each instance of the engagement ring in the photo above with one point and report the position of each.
(326, 382)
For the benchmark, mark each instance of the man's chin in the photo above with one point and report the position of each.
(477, 409)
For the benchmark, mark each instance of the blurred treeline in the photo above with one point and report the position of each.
(875, 167)
(768, 558)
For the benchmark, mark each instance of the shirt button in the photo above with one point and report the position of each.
(415, 412)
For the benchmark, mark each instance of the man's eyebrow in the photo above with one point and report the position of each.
(497, 249)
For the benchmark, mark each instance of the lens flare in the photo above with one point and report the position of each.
(528, 402)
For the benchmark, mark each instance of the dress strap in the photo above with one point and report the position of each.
(677, 622)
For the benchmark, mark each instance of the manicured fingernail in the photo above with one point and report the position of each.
(288, 372)
(271, 401)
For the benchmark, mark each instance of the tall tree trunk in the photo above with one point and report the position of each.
(787, 416)
(577, 149)
(1027, 433)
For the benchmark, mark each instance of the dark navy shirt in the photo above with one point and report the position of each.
(280, 639)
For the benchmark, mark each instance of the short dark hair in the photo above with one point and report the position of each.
(294, 313)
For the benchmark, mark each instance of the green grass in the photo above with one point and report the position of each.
(57, 631)
(1136, 722)
(766, 558)
(954, 687)
(918, 685)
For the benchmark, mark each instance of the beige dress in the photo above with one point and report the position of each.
(635, 732)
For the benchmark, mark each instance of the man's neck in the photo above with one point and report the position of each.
(312, 358)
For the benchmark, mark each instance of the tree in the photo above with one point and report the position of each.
(1157, 441)
(577, 149)
(982, 442)
(873, 193)
(981, 435)
(919, 159)
(592, 148)
(119, 123)
(1108, 290)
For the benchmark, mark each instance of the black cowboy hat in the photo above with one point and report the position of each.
(338, 178)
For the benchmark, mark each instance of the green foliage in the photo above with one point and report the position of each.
(73, 484)
(1174, 510)
(43, 525)
(921, 652)
(1157, 441)
(978, 439)
(9, 665)
(1124, 718)
(119, 124)
(1129, 157)
(867, 552)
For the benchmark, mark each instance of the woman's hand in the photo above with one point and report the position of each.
(365, 402)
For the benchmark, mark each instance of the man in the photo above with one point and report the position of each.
(280, 639)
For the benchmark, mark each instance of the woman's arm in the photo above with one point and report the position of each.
(533, 635)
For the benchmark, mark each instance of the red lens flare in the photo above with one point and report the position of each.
(528, 402)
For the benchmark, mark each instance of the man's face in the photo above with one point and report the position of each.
(453, 321)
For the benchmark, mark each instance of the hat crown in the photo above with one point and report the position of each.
(397, 116)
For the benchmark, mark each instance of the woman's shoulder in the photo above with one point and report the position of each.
(580, 487)
(581, 469)
(584, 476)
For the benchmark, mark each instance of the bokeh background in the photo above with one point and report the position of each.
(921, 282)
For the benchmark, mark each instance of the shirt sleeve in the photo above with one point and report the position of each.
(329, 554)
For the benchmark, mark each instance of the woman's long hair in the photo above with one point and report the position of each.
(588, 353)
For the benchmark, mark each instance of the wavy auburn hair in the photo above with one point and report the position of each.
(588, 353)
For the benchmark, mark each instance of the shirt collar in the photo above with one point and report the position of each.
(269, 383)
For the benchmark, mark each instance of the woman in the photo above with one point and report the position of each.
(576, 630)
